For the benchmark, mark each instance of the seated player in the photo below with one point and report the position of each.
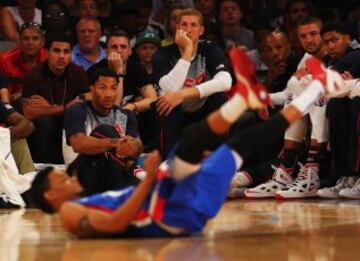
(181, 195)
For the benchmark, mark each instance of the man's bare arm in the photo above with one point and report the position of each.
(85, 222)
(20, 126)
(89, 145)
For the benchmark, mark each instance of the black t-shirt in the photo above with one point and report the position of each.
(2, 81)
(5, 111)
(136, 77)
(55, 89)
(82, 118)
(209, 60)
(281, 82)
(349, 62)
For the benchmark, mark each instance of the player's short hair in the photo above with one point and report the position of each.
(39, 186)
(58, 37)
(338, 27)
(116, 32)
(191, 12)
(103, 71)
(310, 20)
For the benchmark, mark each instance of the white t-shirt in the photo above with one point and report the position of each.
(17, 18)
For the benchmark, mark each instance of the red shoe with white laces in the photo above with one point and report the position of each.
(247, 84)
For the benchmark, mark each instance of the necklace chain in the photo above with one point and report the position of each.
(63, 96)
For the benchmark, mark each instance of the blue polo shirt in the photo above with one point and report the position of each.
(79, 59)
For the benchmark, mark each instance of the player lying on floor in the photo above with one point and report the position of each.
(178, 197)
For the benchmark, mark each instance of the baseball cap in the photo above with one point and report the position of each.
(147, 37)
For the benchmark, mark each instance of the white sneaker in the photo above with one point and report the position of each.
(333, 192)
(305, 185)
(280, 179)
(240, 179)
(351, 193)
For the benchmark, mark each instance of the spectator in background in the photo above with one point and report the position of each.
(343, 114)
(70, 6)
(147, 43)
(13, 17)
(15, 63)
(48, 90)
(234, 34)
(208, 9)
(192, 76)
(20, 128)
(171, 23)
(257, 55)
(56, 18)
(86, 9)
(88, 51)
(104, 14)
(282, 61)
(294, 11)
(136, 91)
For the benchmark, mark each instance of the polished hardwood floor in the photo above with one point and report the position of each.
(243, 230)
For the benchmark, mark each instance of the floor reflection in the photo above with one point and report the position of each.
(249, 230)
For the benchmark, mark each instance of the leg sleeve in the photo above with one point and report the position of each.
(195, 140)
(258, 137)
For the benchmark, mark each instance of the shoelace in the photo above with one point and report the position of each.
(4, 197)
(303, 174)
(356, 186)
(340, 184)
(273, 176)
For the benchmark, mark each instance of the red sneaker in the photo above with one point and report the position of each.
(247, 84)
(331, 81)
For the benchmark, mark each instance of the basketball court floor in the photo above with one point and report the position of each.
(243, 230)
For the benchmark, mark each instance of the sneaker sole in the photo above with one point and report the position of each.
(279, 196)
(257, 195)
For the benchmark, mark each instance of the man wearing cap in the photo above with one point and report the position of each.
(49, 90)
(137, 90)
(15, 63)
(147, 43)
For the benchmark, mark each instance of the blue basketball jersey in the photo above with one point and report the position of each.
(186, 204)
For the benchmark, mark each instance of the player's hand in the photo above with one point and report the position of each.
(346, 75)
(152, 163)
(115, 62)
(166, 103)
(126, 147)
(38, 101)
(183, 41)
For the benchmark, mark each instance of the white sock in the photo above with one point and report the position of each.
(305, 101)
(233, 108)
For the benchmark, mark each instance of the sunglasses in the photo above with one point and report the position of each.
(30, 25)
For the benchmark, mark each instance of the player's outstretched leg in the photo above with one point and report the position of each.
(247, 93)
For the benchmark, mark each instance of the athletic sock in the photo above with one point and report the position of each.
(233, 108)
(315, 155)
(288, 159)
